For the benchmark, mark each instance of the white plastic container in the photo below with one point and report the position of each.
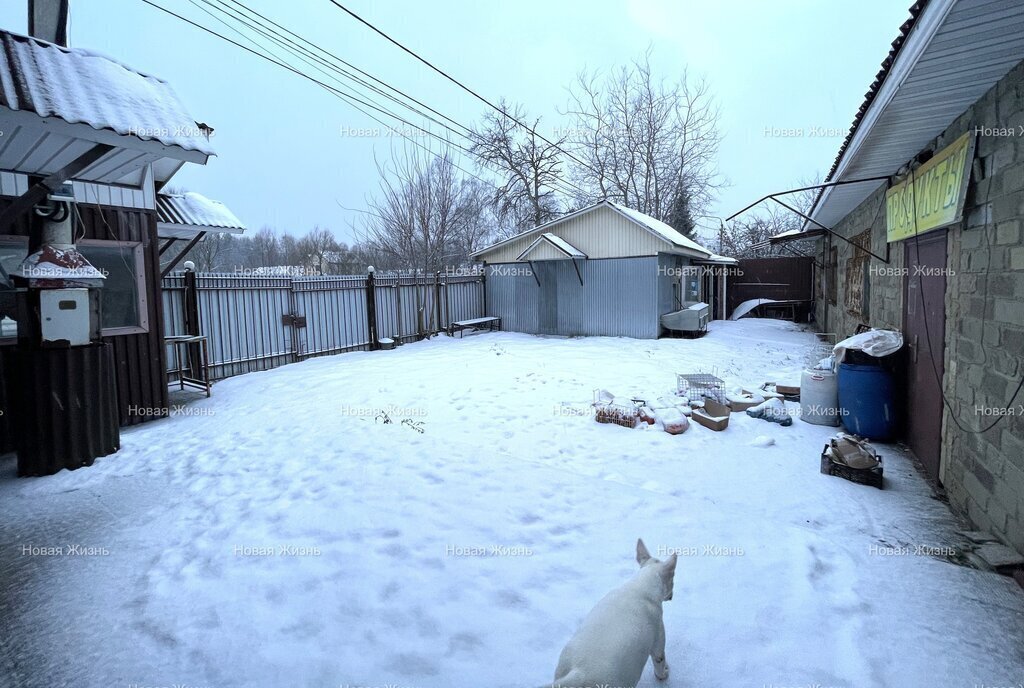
(819, 397)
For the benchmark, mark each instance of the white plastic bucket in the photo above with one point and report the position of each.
(819, 397)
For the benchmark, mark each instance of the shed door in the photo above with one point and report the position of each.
(924, 318)
(547, 307)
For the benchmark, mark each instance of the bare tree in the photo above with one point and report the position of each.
(648, 144)
(530, 167)
(317, 247)
(212, 253)
(264, 249)
(419, 211)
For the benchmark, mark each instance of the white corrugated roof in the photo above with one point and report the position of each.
(193, 212)
(80, 86)
(656, 227)
(665, 231)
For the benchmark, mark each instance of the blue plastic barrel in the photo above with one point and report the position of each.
(867, 404)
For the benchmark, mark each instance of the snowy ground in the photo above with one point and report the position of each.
(785, 582)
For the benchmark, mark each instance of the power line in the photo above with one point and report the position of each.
(285, 43)
(332, 90)
(563, 185)
(461, 85)
(560, 185)
(347, 64)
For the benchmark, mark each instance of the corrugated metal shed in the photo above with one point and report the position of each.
(947, 56)
(618, 297)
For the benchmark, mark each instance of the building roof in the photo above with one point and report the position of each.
(56, 100)
(665, 231)
(946, 56)
(183, 215)
(656, 227)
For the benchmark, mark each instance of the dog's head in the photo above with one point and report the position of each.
(666, 569)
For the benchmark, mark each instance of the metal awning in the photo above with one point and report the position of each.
(550, 247)
(58, 104)
(183, 216)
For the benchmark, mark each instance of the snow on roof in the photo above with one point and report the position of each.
(715, 258)
(665, 231)
(196, 210)
(81, 86)
(658, 227)
(564, 246)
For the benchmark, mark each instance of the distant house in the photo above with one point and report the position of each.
(602, 270)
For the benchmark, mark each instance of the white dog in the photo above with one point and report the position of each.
(612, 645)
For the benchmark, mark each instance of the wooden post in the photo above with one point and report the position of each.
(371, 310)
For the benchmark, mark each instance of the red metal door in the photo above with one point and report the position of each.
(924, 318)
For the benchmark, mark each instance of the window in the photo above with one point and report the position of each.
(691, 285)
(831, 278)
(857, 283)
(123, 297)
(12, 251)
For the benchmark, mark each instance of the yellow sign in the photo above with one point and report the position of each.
(932, 196)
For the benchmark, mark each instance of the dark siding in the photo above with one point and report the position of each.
(783, 279)
(139, 359)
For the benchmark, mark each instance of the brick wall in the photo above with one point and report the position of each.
(983, 473)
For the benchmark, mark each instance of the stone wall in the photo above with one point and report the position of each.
(983, 473)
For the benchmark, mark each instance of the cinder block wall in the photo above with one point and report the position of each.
(885, 297)
(983, 473)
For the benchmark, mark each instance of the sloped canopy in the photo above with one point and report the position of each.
(182, 216)
(550, 247)
(57, 103)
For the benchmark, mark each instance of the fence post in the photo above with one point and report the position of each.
(437, 302)
(483, 285)
(190, 306)
(371, 309)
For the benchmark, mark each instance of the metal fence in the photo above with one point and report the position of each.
(257, 323)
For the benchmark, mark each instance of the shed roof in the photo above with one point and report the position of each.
(672, 237)
(184, 215)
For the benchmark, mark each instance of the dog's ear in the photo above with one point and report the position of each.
(667, 570)
(642, 555)
(668, 567)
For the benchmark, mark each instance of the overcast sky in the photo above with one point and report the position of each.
(283, 161)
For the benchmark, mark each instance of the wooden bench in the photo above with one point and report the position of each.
(486, 323)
